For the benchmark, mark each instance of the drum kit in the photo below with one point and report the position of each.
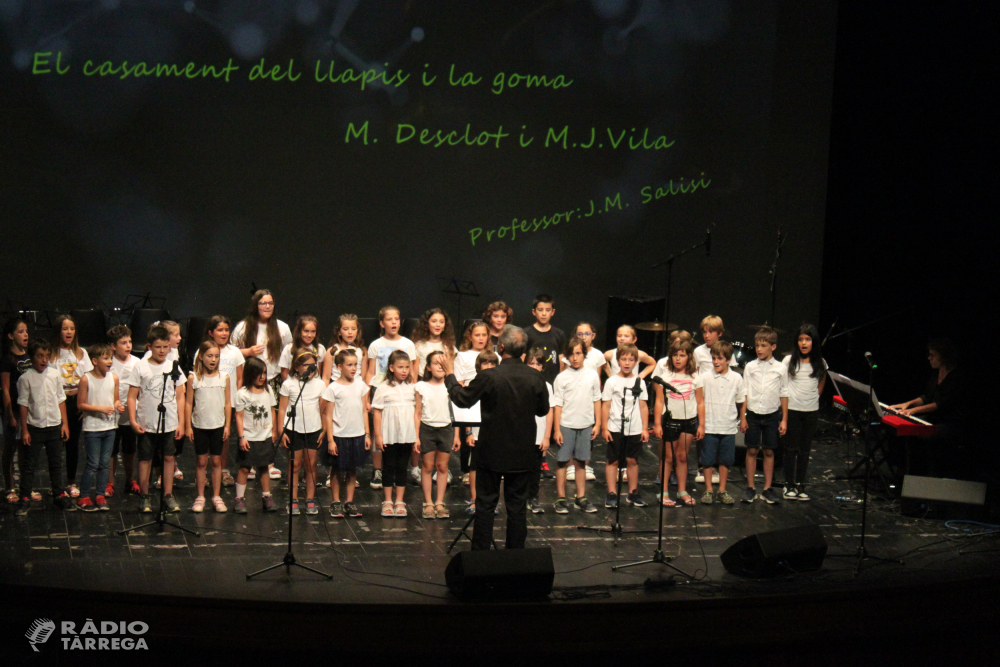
(742, 352)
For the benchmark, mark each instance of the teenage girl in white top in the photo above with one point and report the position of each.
(208, 399)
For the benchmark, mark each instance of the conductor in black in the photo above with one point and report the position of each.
(509, 396)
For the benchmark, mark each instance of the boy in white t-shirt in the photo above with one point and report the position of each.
(151, 380)
(42, 404)
(764, 415)
(344, 407)
(625, 439)
(576, 418)
(711, 328)
(122, 365)
(717, 393)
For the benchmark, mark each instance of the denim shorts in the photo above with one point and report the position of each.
(718, 447)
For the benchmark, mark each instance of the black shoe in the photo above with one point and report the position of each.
(749, 495)
(611, 500)
(535, 506)
(350, 509)
(584, 505)
(771, 496)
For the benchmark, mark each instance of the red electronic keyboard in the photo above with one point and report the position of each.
(904, 425)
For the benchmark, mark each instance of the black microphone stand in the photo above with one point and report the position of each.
(774, 276)
(616, 529)
(161, 513)
(289, 560)
(669, 262)
(658, 555)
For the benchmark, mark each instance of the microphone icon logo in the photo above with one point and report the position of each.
(39, 632)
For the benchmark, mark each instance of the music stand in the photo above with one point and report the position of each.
(864, 407)
(460, 288)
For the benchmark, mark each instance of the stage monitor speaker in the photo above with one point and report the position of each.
(946, 490)
(777, 552)
(501, 575)
(632, 310)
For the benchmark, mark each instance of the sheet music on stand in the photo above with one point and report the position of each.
(466, 415)
(858, 400)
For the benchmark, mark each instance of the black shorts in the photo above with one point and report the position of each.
(436, 438)
(208, 441)
(260, 454)
(762, 430)
(125, 441)
(151, 443)
(299, 441)
(633, 446)
(673, 428)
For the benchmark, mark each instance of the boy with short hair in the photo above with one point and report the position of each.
(625, 439)
(550, 339)
(576, 411)
(764, 415)
(711, 329)
(42, 404)
(717, 392)
(122, 365)
(150, 380)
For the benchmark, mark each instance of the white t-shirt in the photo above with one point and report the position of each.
(424, 348)
(70, 368)
(41, 393)
(703, 359)
(149, 378)
(614, 390)
(285, 360)
(230, 358)
(209, 400)
(575, 391)
(307, 416)
(286, 339)
(684, 406)
(465, 365)
(766, 383)
(803, 391)
(335, 369)
(722, 393)
(397, 402)
(380, 351)
(434, 404)
(123, 370)
(349, 416)
(100, 391)
(540, 421)
(257, 409)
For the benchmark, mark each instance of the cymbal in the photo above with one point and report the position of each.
(656, 326)
(757, 327)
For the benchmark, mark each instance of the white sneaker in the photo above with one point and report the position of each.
(700, 477)
(252, 474)
(415, 475)
(570, 473)
(715, 478)
(590, 474)
(624, 474)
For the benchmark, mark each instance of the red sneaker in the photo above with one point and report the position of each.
(134, 488)
(85, 504)
(101, 503)
(109, 490)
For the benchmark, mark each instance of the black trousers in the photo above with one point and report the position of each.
(797, 443)
(515, 495)
(73, 418)
(51, 441)
(536, 478)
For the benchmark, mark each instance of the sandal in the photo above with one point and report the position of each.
(387, 508)
(12, 496)
(273, 472)
(219, 504)
(428, 511)
(442, 513)
(178, 475)
(400, 510)
(35, 495)
(227, 478)
(73, 490)
(199, 504)
(667, 502)
(686, 498)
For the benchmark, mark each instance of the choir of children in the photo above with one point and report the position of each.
(335, 405)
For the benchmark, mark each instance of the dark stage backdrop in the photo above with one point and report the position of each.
(350, 154)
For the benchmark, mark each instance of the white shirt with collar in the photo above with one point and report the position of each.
(721, 393)
(766, 383)
(576, 391)
(42, 393)
(703, 359)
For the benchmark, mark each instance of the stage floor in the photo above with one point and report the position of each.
(382, 560)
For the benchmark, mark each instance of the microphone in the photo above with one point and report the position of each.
(39, 632)
(175, 372)
(666, 385)
(637, 389)
(310, 369)
(871, 362)
(708, 242)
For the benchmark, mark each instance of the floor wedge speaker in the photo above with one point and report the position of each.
(510, 574)
(777, 552)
